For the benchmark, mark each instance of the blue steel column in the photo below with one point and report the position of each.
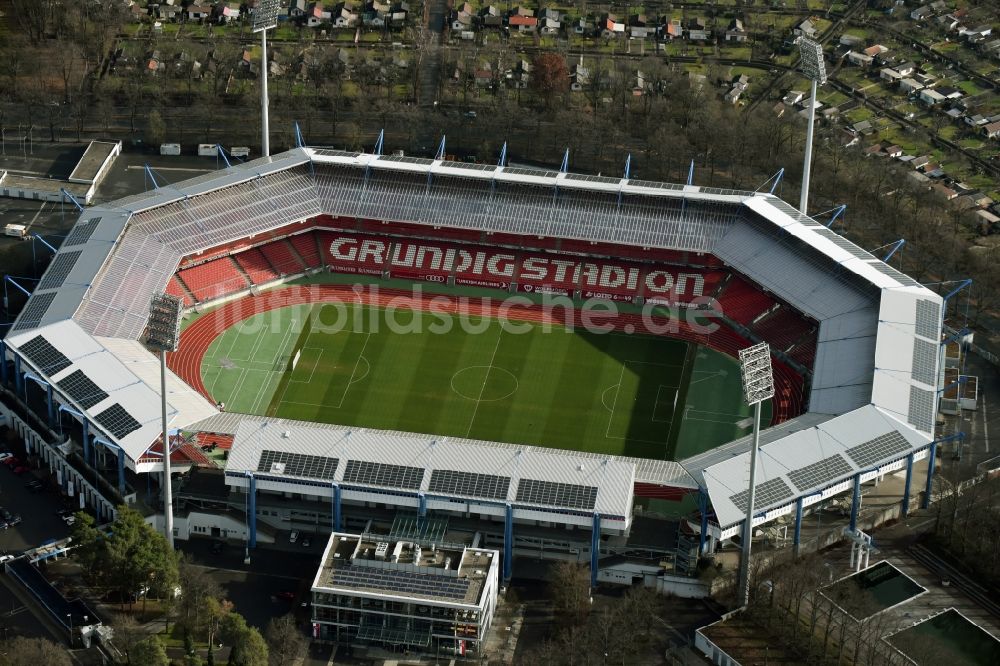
(595, 548)
(508, 542)
(18, 379)
(252, 512)
(703, 508)
(931, 455)
(336, 507)
(798, 524)
(855, 501)
(121, 470)
(86, 443)
(48, 398)
(906, 487)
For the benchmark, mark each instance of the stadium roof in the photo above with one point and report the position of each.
(878, 328)
(115, 382)
(607, 484)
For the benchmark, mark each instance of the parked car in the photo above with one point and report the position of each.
(293, 537)
(12, 460)
(21, 470)
(5, 454)
(306, 542)
(9, 519)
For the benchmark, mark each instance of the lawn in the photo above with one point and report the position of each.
(608, 393)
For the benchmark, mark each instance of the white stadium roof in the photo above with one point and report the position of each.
(878, 328)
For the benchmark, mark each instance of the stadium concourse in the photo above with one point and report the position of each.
(856, 345)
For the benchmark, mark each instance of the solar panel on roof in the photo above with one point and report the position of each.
(469, 165)
(592, 179)
(765, 494)
(886, 269)
(845, 244)
(538, 173)
(924, 361)
(400, 582)
(819, 473)
(928, 318)
(297, 464)
(654, 185)
(34, 311)
(327, 152)
(59, 269)
(82, 232)
(81, 389)
(449, 482)
(117, 421)
(878, 449)
(921, 412)
(550, 493)
(382, 474)
(44, 356)
(405, 160)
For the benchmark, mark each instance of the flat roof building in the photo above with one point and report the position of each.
(404, 595)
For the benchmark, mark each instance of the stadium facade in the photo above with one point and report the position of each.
(84, 393)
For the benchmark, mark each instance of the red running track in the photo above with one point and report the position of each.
(196, 339)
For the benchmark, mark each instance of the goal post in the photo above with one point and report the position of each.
(300, 343)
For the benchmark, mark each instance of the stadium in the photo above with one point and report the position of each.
(541, 441)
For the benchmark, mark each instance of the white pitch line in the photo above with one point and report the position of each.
(486, 380)
(368, 336)
(614, 405)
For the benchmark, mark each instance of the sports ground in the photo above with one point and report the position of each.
(360, 364)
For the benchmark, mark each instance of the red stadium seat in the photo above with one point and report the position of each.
(175, 288)
(255, 264)
(743, 302)
(305, 245)
(281, 256)
(214, 279)
(782, 328)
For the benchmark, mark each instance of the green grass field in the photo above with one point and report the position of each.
(610, 393)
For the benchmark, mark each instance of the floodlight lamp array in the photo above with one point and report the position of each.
(164, 322)
(812, 60)
(265, 15)
(755, 367)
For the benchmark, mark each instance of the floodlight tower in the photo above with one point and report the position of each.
(815, 70)
(265, 17)
(164, 332)
(758, 386)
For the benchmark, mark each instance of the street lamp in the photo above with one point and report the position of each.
(265, 17)
(70, 616)
(815, 70)
(758, 386)
(163, 334)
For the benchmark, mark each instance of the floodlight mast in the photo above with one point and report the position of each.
(815, 70)
(164, 333)
(265, 17)
(758, 386)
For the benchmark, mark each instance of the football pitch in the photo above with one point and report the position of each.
(634, 395)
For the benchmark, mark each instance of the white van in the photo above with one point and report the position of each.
(240, 151)
(16, 230)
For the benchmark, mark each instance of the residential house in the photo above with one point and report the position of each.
(891, 75)
(948, 92)
(910, 86)
(920, 13)
(954, 113)
(521, 74)
(931, 97)
(944, 191)
(522, 23)
(848, 139)
(859, 59)
(314, 15)
(490, 17)
(198, 12)
(696, 30)
(154, 62)
(611, 26)
(671, 30)
(736, 32)
(461, 20)
(226, 13)
(343, 16)
(582, 26)
(739, 86)
(793, 97)
(483, 75)
(894, 151)
(807, 28)
(976, 34)
(549, 13)
(939, 6)
(579, 78)
(297, 8)
(549, 26)
(990, 48)
(920, 162)
(920, 178)
(948, 22)
(976, 120)
(864, 128)
(992, 130)
(875, 51)
(641, 32)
